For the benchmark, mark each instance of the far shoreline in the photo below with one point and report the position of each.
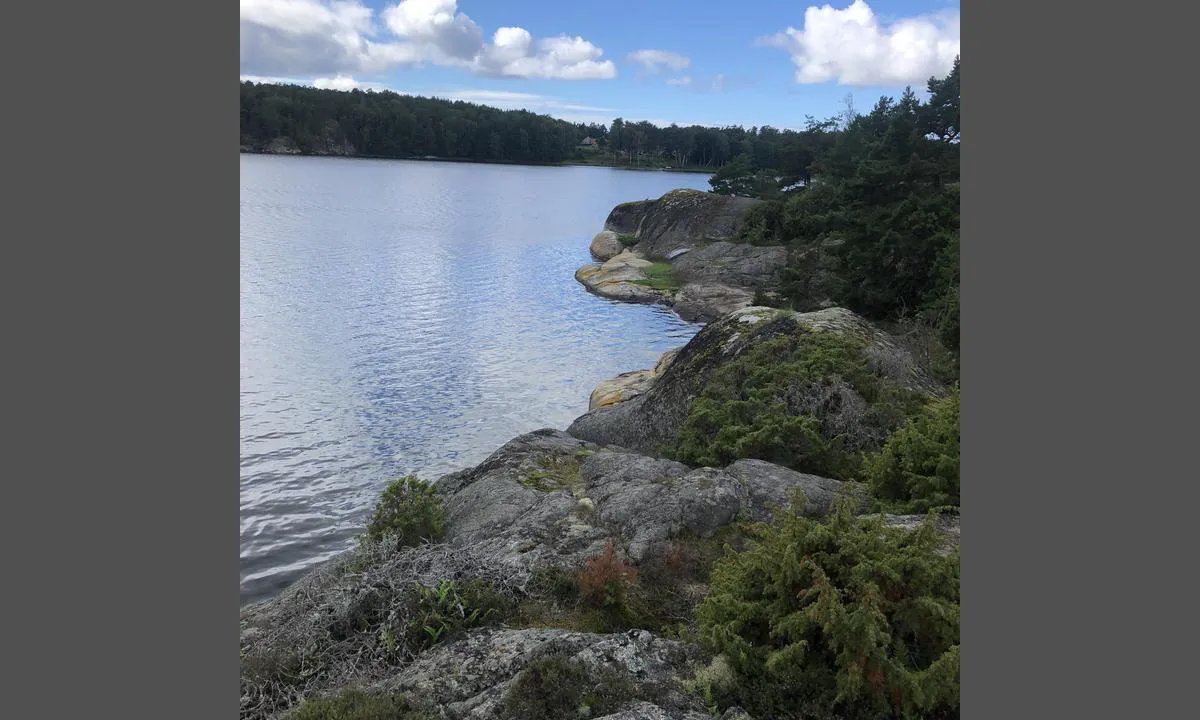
(693, 171)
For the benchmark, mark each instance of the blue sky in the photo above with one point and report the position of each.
(758, 62)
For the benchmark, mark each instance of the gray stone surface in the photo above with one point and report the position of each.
(693, 231)
(556, 500)
(735, 264)
(469, 677)
(680, 218)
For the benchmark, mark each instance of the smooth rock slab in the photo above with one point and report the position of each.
(552, 499)
(630, 384)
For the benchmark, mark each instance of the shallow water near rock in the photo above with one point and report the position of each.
(404, 316)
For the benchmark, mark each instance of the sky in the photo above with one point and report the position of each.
(753, 63)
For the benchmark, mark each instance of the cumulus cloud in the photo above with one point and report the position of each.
(680, 81)
(656, 60)
(342, 37)
(346, 82)
(854, 47)
(513, 53)
(286, 37)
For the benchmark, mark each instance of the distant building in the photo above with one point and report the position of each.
(589, 142)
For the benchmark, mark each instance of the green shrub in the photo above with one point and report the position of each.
(846, 614)
(917, 469)
(556, 686)
(783, 402)
(358, 705)
(410, 511)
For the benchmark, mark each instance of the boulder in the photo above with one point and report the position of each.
(606, 245)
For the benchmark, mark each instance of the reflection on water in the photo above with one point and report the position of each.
(405, 317)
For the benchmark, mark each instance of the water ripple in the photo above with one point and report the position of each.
(403, 317)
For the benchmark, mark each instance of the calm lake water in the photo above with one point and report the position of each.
(402, 316)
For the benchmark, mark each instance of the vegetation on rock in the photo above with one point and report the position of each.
(659, 276)
(808, 401)
(358, 705)
(556, 686)
(918, 468)
(845, 614)
(409, 511)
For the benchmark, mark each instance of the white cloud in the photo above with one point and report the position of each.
(437, 26)
(680, 81)
(854, 47)
(655, 60)
(310, 37)
(285, 37)
(511, 54)
(346, 82)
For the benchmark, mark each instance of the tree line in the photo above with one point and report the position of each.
(391, 125)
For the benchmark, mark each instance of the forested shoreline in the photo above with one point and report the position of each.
(302, 120)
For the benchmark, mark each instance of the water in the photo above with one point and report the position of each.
(403, 317)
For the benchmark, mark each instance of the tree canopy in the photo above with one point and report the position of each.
(388, 124)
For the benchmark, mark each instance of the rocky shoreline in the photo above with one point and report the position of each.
(551, 501)
(685, 237)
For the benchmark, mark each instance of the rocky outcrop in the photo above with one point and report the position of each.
(692, 231)
(331, 141)
(630, 384)
(282, 146)
(679, 219)
(542, 500)
(698, 302)
(654, 416)
(621, 278)
(606, 245)
(469, 678)
(733, 264)
(552, 499)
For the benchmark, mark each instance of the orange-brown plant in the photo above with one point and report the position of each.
(605, 579)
